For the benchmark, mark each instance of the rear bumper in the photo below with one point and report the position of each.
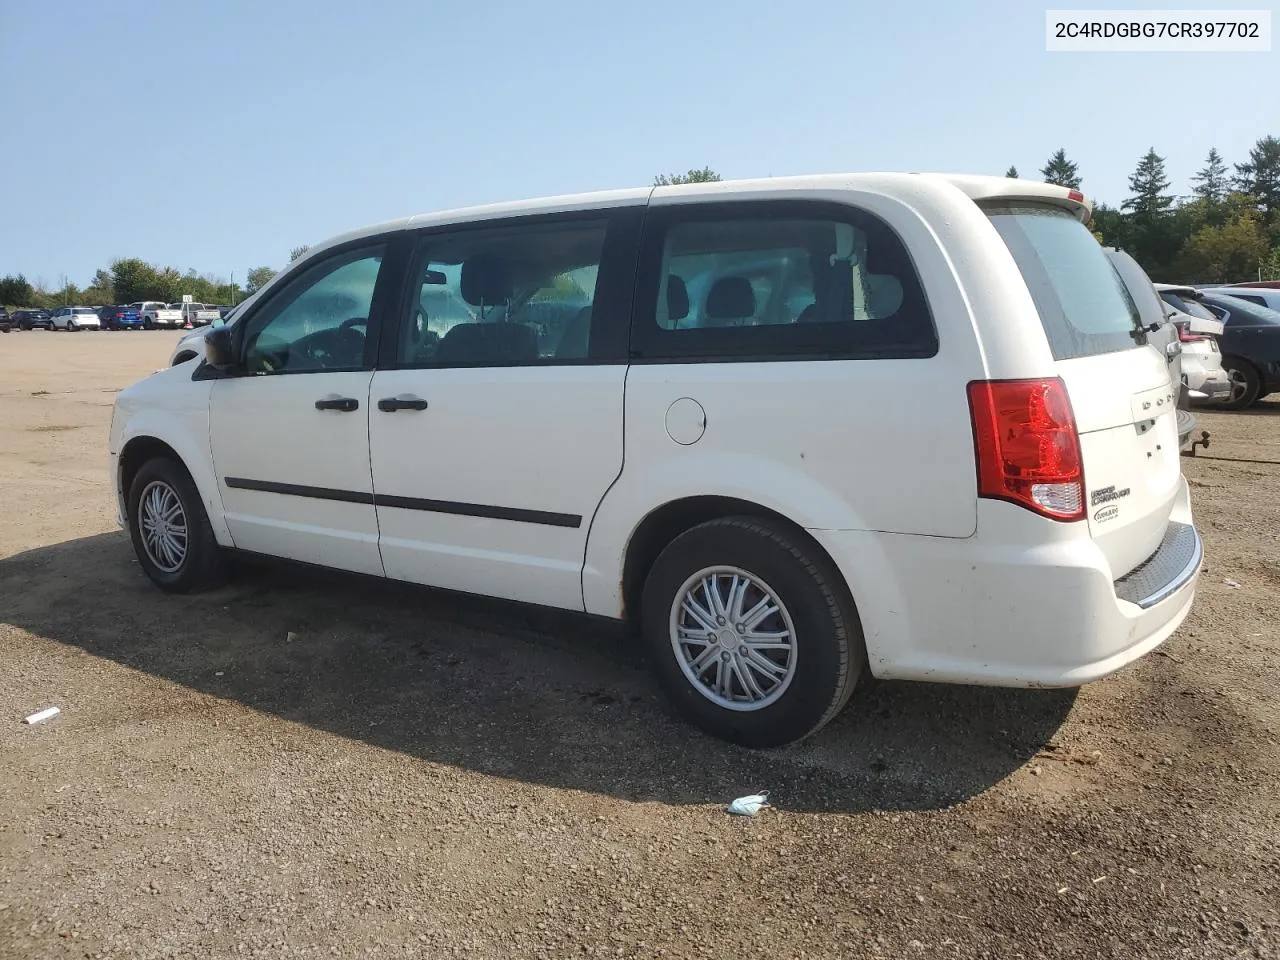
(1211, 386)
(1029, 609)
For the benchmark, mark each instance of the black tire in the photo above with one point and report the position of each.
(829, 653)
(203, 565)
(1245, 373)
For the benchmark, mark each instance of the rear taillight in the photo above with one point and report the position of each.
(1186, 336)
(1027, 445)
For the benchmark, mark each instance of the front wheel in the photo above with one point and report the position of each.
(170, 530)
(752, 631)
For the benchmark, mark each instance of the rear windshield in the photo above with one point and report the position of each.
(1083, 304)
(82, 310)
(1188, 305)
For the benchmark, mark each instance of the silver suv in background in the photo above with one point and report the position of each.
(1198, 330)
(1161, 332)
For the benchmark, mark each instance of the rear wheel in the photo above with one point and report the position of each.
(752, 631)
(170, 530)
(1246, 384)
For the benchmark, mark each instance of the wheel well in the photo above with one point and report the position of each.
(667, 522)
(137, 452)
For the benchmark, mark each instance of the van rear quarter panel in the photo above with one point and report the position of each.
(880, 445)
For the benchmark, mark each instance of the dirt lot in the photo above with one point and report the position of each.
(420, 775)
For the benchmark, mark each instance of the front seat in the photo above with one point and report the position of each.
(731, 300)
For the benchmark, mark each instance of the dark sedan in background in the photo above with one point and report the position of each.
(1250, 345)
(30, 319)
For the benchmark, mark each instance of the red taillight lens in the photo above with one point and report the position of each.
(1027, 445)
(1075, 195)
(1186, 336)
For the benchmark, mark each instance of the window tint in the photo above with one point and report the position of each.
(320, 319)
(505, 295)
(1083, 305)
(1187, 305)
(1260, 301)
(782, 282)
(1244, 313)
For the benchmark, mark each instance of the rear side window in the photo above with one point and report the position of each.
(775, 281)
(1244, 312)
(1251, 299)
(505, 295)
(1083, 304)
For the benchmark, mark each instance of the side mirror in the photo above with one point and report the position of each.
(220, 350)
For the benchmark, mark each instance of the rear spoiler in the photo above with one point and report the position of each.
(995, 189)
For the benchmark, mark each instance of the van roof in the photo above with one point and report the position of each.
(975, 186)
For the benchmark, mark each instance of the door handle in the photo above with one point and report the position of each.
(342, 404)
(405, 401)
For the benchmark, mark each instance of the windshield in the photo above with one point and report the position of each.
(1083, 304)
(1245, 310)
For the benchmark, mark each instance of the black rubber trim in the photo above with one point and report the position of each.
(516, 514)
(298, 490)
(545, 518)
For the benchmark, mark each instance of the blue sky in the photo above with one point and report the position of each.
(218, 135)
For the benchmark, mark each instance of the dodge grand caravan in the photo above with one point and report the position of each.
(797, 430)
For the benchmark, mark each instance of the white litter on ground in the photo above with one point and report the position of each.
(749, 806)
(41, 715)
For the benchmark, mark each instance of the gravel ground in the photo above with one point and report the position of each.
(297, 765)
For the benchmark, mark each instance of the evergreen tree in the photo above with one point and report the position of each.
(1259, 177)
(1148, 183)
(1061, 171)
(1211, 183)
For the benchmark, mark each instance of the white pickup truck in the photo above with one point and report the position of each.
(197, 314)
(157, 314)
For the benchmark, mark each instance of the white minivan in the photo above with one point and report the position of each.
(796, 429)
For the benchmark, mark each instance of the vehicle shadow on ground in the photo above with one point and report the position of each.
(535, 696)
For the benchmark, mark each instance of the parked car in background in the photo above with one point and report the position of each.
(1250, 345)
(157, 314)
(5, 323)
(1017, 515)
(1265, 284)
(120, 318)
(32, 319)
(1260, 296)
(1197, 329)
(192, 344)
(196, 314)
(76, 318)
(1161, 333)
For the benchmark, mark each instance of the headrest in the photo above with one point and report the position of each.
(485, 279)
(677, 298)
(731, 298)
(488, 343)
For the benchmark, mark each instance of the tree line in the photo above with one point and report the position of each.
(130, 280)
(1227, 229)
